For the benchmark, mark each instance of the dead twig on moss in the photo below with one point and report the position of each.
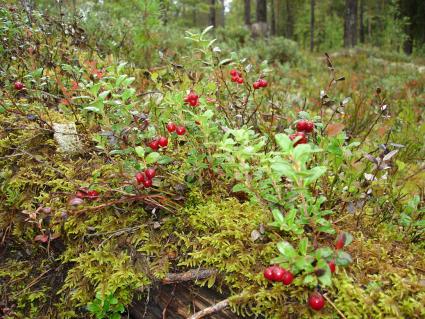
(210, 310)
(193, 274)
(333, 305)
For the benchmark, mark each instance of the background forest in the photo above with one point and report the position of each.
(212, 159)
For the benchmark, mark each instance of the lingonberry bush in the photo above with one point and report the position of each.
(212, 168)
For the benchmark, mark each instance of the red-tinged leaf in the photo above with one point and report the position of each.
(334, 129)
(42, 238)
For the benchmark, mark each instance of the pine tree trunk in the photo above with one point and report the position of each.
(273, 22)
(247, 16)
(262, 11)
(362, 27)
(350, 23)
(312, 5)
(212, 19)
(289, 21)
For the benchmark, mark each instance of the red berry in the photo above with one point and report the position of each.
(233, 72)
(340, 241)
(147, 183)
(305, 126)
(180, 130)
(302, 138)
(92, 194)
(163, 141)
(240, 80)
(316, 301)
(80, 194)
(268, 273)
(150, 173)
(19, 85)
(140, 177)
(288, 278)
(262, 83)
(278, 273)
(332, 266)
(171, 127)
(256, 85)
(235, 78)
(192, 99)
(154, 145)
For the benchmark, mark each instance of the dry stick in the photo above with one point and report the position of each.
(164, 312)
(193, 274)
(213, 309)
(333, 305)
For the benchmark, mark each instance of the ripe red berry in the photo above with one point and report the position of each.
(154, 145)
(92, 194)
(163, 141)
(268, 273)
(150, 173)
(171, 127)
(240, 80)
(235, 78)
(233, 72)
(192, 99)
(287, 278)
(147, 183)
(302, 138)
(278, 273)
(140, 177)
(305, 126)
(256, 85)
(19, 85)
(332, 266)
(262, 83)
(316, 301)
(340, 241)
(180, 130)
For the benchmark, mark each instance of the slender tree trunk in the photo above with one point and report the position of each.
(350, 23)
(212, 19)
(273, 26)
(247, 15)
(312, 5)
(362, 27)
(222, 13)
(289, 20)
(262, 11)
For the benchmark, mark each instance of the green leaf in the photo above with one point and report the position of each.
(310, 280)
(286, 249)
(278, 216)
(104, 94)
(207, 29)
(314, 173)
(284, 169)
(324, 252)
(152, 158)
(284, 142)
(140, 151)
(163, 160)
(113, 301)
(343, 258)
(116, 316)
(302, 246)
(326, 278)
(239, 188)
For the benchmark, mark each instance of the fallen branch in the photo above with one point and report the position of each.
(210, 310)
(194, 274)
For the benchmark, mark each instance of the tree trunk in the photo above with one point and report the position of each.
(273, 26)
(262, 11)
(212, 19)
(247, 16)
(350, 23)
(362, 27)
(312, 5)
(222, 13)
(289, 21)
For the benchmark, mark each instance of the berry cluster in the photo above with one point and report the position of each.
(261, 83)
(236, 76)
(145, 177)
(192, 99)
(278, 274)
(303, 128)
(162, 141)
(171, 127)
(316, 301)
(86, 193)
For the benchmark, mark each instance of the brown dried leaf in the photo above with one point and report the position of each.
(334, 129)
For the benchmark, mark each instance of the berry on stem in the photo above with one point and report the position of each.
(240, 80)
(332, 266)
(234, 72)
(268, 273)
(287, 278)
(150, 173)
(171, 127)
(316, 301)
(305, 126)
(18, 86)
(302, 138)
(262, 83)
(147, 183)
(340, 241)
(256, 85)
(154, 145)
(163, 141)
(278, 273)
(140, 177)
(180, 130)
(92, 194)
